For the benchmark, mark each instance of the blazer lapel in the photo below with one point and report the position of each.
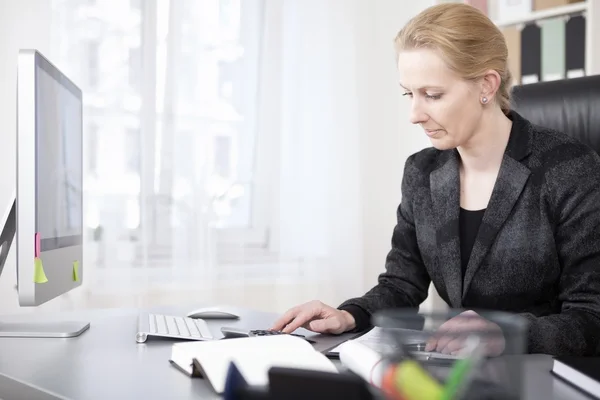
(511, 180)
(445, 197)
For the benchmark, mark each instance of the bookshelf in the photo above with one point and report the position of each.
(588, 8)
(574, 8)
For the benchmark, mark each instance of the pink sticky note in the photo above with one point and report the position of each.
(38, 246)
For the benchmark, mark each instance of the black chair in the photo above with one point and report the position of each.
(569, 105)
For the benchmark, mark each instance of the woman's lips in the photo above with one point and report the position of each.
(432, 132)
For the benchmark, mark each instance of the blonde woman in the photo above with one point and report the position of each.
(499, 214)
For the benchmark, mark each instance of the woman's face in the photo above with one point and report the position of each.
(447, 107)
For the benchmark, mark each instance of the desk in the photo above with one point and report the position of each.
(105, 362)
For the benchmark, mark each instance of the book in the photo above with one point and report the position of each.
(365, 355)
(253, 357)
(581, 372)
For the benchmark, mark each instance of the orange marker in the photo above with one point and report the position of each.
(388, 384)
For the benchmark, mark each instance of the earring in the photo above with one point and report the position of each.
(484, 100)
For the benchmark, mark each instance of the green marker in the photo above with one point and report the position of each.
(460, 375)
(456, 379)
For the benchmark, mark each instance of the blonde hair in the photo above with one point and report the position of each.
(468, 41)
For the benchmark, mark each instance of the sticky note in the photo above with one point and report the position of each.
(75, 271)
(39, 276)
(38, 245)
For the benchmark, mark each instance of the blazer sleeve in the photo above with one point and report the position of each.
(574, 192)
(405, 281)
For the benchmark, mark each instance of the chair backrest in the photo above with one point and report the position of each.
(569, 105)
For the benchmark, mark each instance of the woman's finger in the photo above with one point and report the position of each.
(286, 318)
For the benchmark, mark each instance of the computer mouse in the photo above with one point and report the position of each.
(213, 313)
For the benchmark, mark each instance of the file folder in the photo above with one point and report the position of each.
(531, 57)
(575, 46)
(553, 49)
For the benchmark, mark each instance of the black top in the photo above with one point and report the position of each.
(469, 221)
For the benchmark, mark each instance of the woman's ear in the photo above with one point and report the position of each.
(490, 83)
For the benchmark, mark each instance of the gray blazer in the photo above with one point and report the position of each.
(537, 252)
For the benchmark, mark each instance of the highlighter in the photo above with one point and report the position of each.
(414, 383)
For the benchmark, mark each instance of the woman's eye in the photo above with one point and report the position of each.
(407, 94)
(433, 96)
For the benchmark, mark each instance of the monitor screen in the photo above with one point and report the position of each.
(58, 152)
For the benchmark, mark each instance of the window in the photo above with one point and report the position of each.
(92, 145)
(92, 64)
(135, 4)
(222, 157)
(229, 19)
(132, 150)
(188, 87)
(135, 68)
(180, 157)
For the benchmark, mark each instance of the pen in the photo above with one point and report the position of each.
(234, 383)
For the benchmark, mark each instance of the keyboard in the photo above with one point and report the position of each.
(168, 326)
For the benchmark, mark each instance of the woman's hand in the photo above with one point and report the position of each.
(451, 336)
(317, 317)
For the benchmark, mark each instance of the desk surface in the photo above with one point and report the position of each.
(106, 362)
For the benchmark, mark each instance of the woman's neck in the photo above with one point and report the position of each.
(484, 151)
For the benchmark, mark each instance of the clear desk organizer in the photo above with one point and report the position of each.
(473, 360)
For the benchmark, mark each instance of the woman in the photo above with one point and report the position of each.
(498, 214)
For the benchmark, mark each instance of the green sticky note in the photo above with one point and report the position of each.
(75, 271)
(39, 276)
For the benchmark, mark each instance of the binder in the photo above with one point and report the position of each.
(553, 49)
(575, 46)
(531, 57)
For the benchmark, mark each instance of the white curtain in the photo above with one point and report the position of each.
(222, 139)
(310, 135)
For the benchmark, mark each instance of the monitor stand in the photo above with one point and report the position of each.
(39, 329)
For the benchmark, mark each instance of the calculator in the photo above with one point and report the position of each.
(229, 332)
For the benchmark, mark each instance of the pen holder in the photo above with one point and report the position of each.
(451, 355)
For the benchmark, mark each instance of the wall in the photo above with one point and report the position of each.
(23, 24)
(389, 138)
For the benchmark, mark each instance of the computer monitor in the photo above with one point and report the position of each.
(46, 215)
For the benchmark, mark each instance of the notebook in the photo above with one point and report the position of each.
(376, 340)
(581, 372)
(253, 356)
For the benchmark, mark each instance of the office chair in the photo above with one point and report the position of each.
(568, 105)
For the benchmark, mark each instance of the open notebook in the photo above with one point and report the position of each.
(253, 356)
